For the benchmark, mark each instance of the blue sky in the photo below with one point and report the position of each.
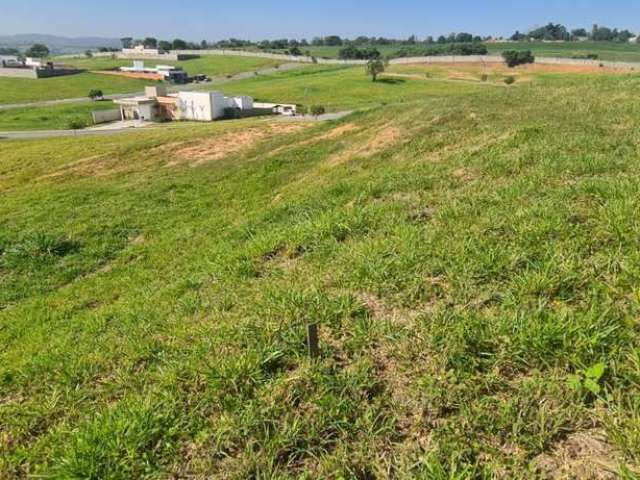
(256, 19)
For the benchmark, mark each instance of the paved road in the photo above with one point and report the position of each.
(39, 134)
(174, 88)
(112, 130)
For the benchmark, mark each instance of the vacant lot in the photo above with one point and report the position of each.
(339, 88)
(470, 257)
(49, 118)
(20, 90)
(212, 65)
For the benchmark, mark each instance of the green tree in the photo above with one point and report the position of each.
(513, 58)
(88, 54)
(150, 42)
(96, 94)
(38, 50)
(179, 44)
(126, 42)
(374, 67)
(164, 45)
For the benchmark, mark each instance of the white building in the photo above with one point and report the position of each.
(157, 106)
(34, 62)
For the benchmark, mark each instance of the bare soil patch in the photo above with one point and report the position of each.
(584, 455)
(381, 140)
(219, 147)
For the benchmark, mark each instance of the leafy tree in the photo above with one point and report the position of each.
(164, 45)
(374, 67)
(517, 37)
(38, 50)
(127, 42)
(513, 58)
(179, 44)
(579, 33)
(96, 94)
(204, 44)
(333, 41)
(150, 42)
(464, 38)
(88, 54)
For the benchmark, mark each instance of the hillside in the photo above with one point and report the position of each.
(469, 253)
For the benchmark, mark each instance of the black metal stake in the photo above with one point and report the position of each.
(312, 340)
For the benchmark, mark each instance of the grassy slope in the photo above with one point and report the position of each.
(214, 66)
(23, 90)
(152, 314)
(339, 88)
(49, 118)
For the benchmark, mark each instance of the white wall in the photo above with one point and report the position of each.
(201, 106)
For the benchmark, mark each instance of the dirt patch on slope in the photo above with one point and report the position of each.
(381, 140)
(330, 135)
(219, 147)
(585, 454)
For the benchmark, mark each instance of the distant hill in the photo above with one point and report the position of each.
(56, 43)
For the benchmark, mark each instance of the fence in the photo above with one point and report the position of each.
(104, 116)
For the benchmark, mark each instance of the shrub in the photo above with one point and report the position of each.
(510, 80)
(77, 124)
(484, 77)
(513, 58)
(317, 110)
(462, 49)
(302, 109)
(96, 94)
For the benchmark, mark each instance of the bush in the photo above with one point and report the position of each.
(462, 49)
(77, 124)
(513, 58)
(96, 94)
(302, 110)
(317, 110)
(484, 77)
(510, 80)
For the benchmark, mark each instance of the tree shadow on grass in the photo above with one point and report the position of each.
(392, 81)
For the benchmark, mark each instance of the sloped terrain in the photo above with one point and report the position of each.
(471, 261)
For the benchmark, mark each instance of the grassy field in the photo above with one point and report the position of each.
(49, 118)
(606, 50)
(19, 90)
(612, 51)
(339, 88)
(470, 256)
(25, 90)
(213, 66)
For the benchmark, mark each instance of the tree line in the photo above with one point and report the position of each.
(558, 32)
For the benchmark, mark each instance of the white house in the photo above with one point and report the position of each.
(156, 105)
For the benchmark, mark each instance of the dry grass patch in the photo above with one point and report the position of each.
(219, 147)
(585, 454)
(382, 139)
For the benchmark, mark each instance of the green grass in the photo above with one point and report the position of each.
(211, 65)
(469, 256)
(339, 88)
(610, 51)
(23, 90)
(51, 117)
(20, 90)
